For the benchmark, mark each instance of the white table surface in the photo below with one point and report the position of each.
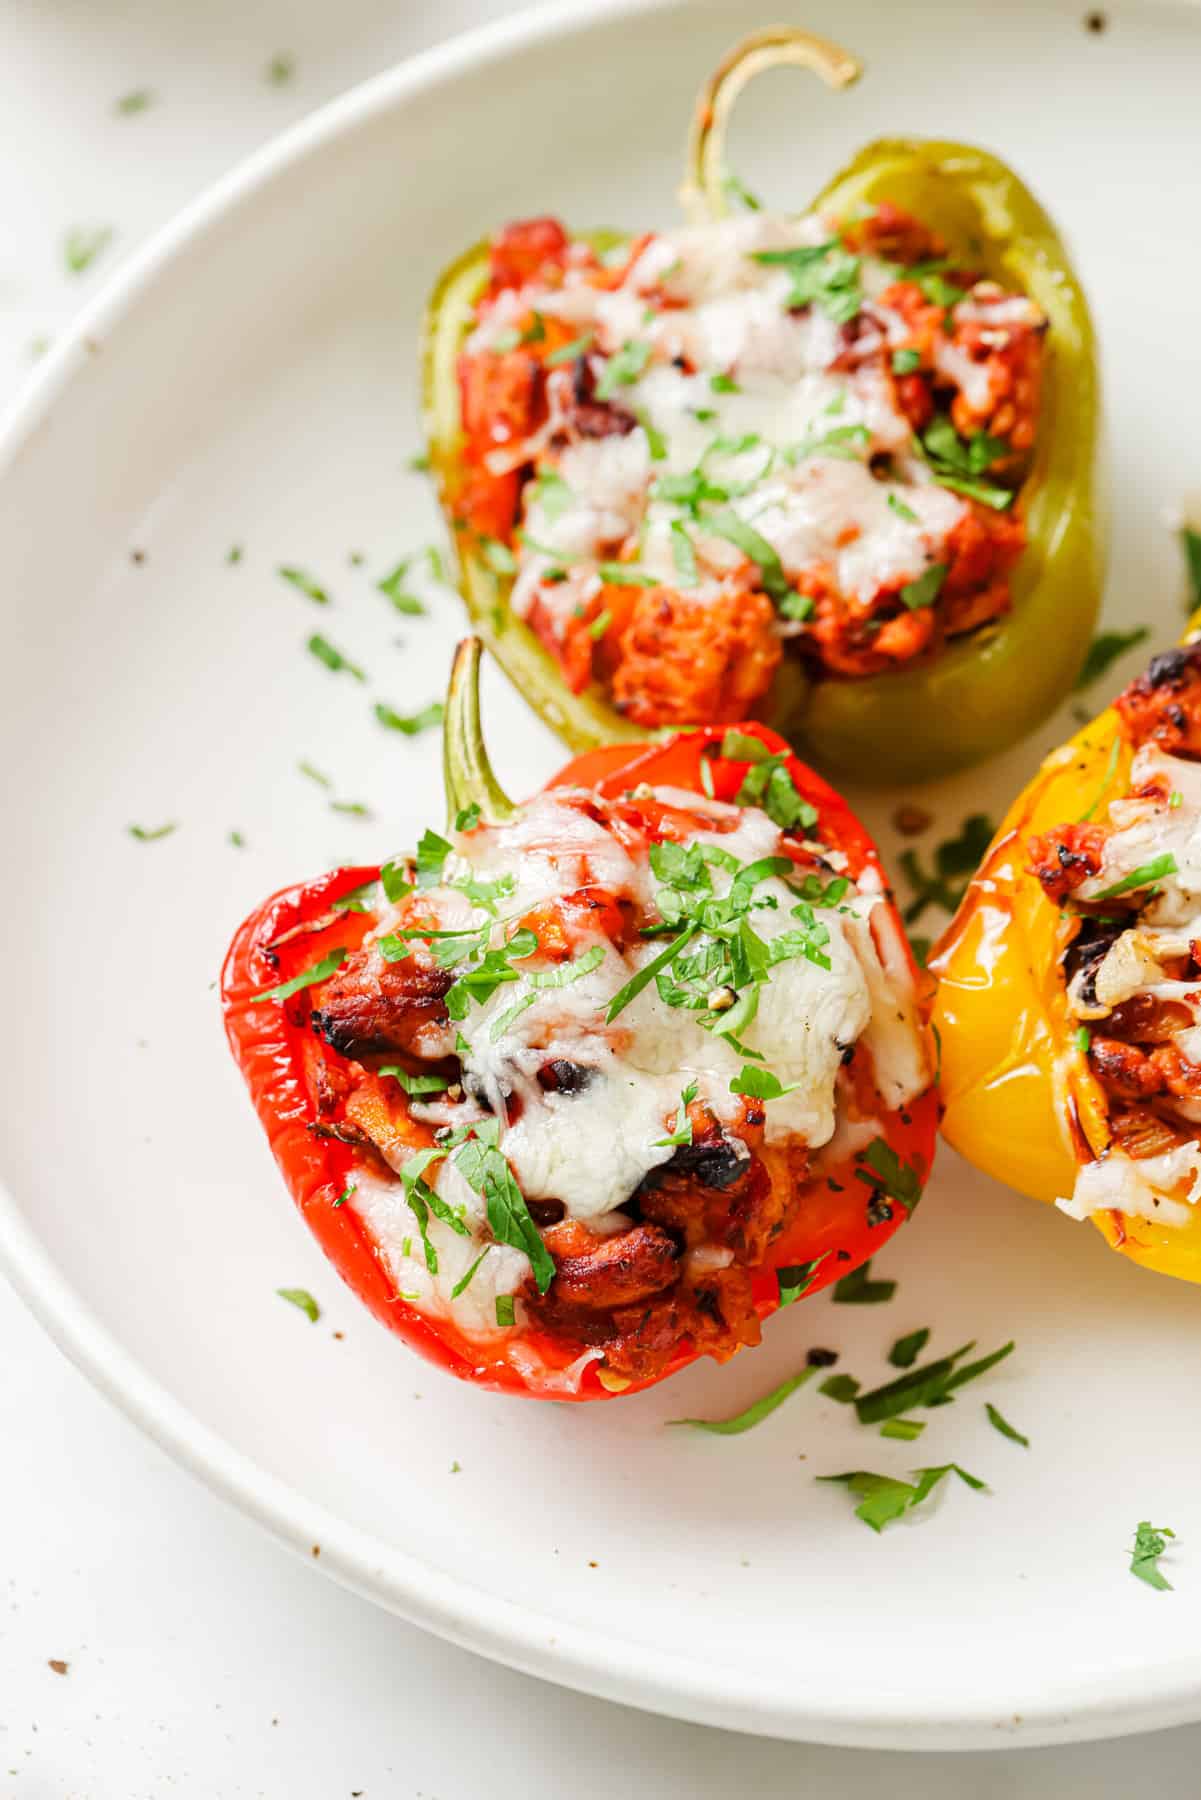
(203, 1662)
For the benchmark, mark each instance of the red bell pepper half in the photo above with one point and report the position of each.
(286, 959)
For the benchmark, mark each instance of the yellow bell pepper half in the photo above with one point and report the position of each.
(1020, 1099)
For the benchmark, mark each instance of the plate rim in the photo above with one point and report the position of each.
(592, 1661)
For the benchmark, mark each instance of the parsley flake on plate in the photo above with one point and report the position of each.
(1150, 1543)
(300, 1297)
(755, 1413)
(884, 1498)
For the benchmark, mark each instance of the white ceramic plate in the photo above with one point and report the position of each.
(250, 381)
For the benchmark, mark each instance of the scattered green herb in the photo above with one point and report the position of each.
(320, 971)
(842, 1388)
(1191, 544)
(150, 834)
(858, 1289)
(904, 362)
(797, 1278)
(623, 368)
(299, 579)
(505, 1314)
(136, 101)
(905, 1429)
(409, 723)
(924, 591)
(82, 246)
(954, 858)
(898, 506)
(906, 1350)
(884, 1498)
(681, 1132)
(569, 352)
(332, 657)
(303, 1299)
(823, 275)
(1003, 1426)
(1105, 650)
(280, 69)
(1150, 1542)
(1146, 875)
(753, 1414)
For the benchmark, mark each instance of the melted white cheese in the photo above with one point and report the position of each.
(729, 318)
(591, 1148)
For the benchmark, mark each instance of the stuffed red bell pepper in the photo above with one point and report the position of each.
(588, 1087)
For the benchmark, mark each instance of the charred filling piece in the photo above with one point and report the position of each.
(1129, 884)
(732, 442)
(592, 1056)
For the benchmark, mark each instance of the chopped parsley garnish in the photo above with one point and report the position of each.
(1175, 799)
(353, 809)
(505, 1314)
(303, 1299)
(1105, 650)
(884, 1498)
(414, 1084)
(823, 275)
(681, 1133)
(280, 69)
(683, 554)
(569, 352)
(1191, 543)
(303, 582)
(392, 587)
(744, 537)
(320, 971)
(953, 858)
(841, 1388)
(82, 246)
(905, 1429)
(138, 100)
(234, 554)
(623, 368)
(358, 900)
(796, 1279)
(724, 384)
(1082, 1038)
(907, 1349)
(600, 624)
(655, 440)
(1003, 1426)
(737, 190)
(485, 1169)
(796, 606)
(929, 1384)
(925, 589)
(755, 1413)
(394, 879)
(760, 1084)
(419, 463)
(314, 774)
(898, 506)
(499, 558)
(468, 817)
(465, 1280)
(959, 465)
(1146, 875)
(332, 657)
(345, 1195)
(150, 834)
(647, 973)
(409, 723)
(237, 840)
(616, 574)
(843, 441)
(423, 1200)
(904, 362)
(1110, 765)
(858, 1288)
(540, 980)
(552, 494)
(767, 783)
(885, 1170)
(432, 853)
(1150, 1542)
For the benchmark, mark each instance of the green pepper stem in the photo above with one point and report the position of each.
(466, 769)
(705, 193)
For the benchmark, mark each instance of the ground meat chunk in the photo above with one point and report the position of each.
(600, 1273)
(683, 659)
(371, 1006)
(1163, 705)
(1064, 858)
(715, 1317)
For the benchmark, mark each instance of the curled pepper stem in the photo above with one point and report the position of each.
(704, 194)
(466, 770)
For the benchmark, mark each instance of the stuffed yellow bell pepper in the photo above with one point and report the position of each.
(836, 470)
(1069, 1004)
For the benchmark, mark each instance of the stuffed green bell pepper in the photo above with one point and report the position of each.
(838, 470)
